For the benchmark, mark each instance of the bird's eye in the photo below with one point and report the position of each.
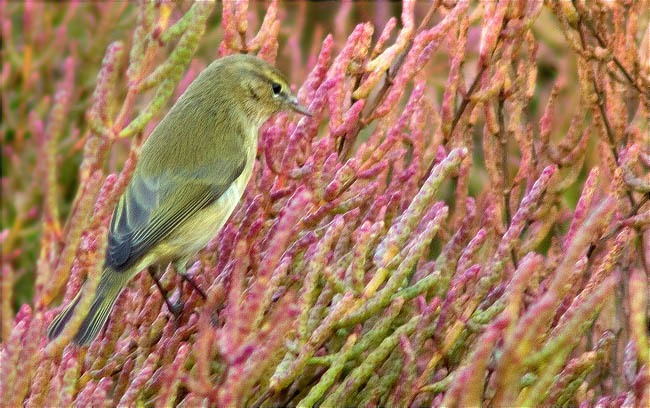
(277, 88)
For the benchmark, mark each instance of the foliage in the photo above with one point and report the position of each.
(463, 221)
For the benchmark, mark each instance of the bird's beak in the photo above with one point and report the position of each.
(293, 104)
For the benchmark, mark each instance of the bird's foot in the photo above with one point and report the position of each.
(181, 269)
(176, 309)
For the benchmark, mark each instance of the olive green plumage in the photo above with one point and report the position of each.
(191, 173)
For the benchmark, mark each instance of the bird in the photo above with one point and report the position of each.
(191, 173)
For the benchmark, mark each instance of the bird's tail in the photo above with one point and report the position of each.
(110, 286)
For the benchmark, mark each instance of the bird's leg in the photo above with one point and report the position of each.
(173, 309)
(182, 270)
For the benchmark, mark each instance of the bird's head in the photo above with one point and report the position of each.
(259, 87)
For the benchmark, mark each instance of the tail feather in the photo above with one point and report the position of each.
(109, 288)
(96, 318)
(62, 319)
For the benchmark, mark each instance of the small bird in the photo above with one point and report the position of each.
(191, 173)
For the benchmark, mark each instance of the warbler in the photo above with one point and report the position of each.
(191, 173)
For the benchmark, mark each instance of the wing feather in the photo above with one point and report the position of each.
(152, 208)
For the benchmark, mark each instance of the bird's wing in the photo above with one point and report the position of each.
(151, 208)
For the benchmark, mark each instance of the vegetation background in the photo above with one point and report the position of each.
(464, 220)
